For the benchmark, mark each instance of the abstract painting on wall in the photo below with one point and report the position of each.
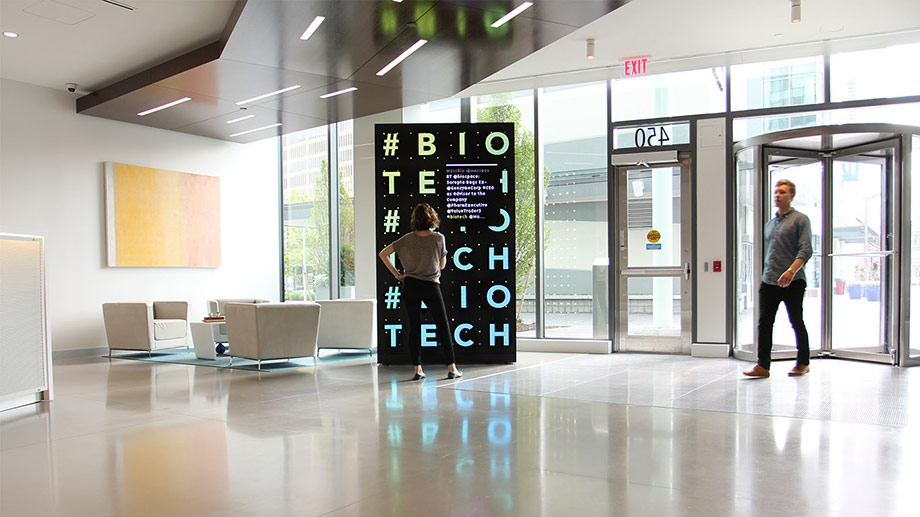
(160, 218)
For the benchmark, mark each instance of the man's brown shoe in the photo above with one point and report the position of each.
(800, 369)
(758, 371)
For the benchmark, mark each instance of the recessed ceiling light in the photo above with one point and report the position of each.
(10, 34)
(312, 28)
(163, 107)
(340, 92)
(239, 119)
(254, 130)
(269, 94)
(516, 11)
(417, 45)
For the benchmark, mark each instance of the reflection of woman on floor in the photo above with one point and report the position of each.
(423, 255)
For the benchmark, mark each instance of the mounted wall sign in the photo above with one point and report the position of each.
(466, 173)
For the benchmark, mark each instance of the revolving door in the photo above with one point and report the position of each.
(863, 280)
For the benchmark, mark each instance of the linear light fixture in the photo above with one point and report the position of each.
(511, 14)
(10, 34)
(340, 92)
(312, 28)
(241, 133)
(408, 52)
(163, 107)
(119, 4)
(239, 119)
(269, 94)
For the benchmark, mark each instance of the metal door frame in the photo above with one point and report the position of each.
(621, 162)
(898, 190)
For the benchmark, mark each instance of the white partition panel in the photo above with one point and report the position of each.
(25, 352)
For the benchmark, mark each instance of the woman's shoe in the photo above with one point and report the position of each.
(454, 375)
(418, 377)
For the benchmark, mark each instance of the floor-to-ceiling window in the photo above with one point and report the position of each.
(574, 135)
(517, 107)
(345, 158)
(305, 213)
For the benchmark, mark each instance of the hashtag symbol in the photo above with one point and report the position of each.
(390, 144)
(392, 297)
(391, 221)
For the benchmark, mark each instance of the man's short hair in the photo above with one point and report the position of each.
(789, 184)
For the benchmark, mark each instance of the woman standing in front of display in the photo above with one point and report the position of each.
(423, 255)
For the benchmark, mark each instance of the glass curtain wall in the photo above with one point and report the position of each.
(518, 107)
(669, 95)
(574, 134)
(346, 162)
(305, 214)
(875, 74)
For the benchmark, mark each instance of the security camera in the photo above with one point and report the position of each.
(71, 87)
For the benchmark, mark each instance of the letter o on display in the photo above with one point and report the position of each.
(490, 296)
(505, 143)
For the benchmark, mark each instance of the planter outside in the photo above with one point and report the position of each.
(871, 292)
(840, 286)
(855, 291)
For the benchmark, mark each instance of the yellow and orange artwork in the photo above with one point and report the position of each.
(161, 218)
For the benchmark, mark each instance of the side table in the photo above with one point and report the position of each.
(205, 334)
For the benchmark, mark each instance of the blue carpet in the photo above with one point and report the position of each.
(187, 356)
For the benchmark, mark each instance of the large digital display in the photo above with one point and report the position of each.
(466, 173)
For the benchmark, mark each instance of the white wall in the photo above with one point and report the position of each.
(51, 184)
(711, 231)
(366, 202)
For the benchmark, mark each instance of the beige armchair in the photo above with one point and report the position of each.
(145, 325)
(272, 330)
(348, 324)
(218, 305)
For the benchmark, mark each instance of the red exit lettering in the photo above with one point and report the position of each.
(636, 66)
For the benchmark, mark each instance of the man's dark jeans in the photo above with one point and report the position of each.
(770, 297)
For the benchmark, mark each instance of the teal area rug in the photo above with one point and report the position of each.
(187, 356)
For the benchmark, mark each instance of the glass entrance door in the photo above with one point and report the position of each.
(806, 170)
(653, 248)
(863, 257)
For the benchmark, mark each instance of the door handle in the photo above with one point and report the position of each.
(686, 271)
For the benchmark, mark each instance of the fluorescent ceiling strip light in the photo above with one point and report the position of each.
(239, 119)
(312, 28)
(408, 52)
(10, 34)
(340, 92)
(163, 107)
(254, 130)
(516, 11)
(269, 94)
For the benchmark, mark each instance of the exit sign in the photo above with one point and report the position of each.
(635, 65)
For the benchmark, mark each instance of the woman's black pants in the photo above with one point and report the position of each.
(414, 293)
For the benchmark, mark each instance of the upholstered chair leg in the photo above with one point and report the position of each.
(259, 366)
(231, 362)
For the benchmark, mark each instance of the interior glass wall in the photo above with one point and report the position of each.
(574, 134)
(669, 95)
(305, 214)
(518, 107)
(878, 73)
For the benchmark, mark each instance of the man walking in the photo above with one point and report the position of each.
(787, 238)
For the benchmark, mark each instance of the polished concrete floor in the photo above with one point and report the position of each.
(554, 434)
